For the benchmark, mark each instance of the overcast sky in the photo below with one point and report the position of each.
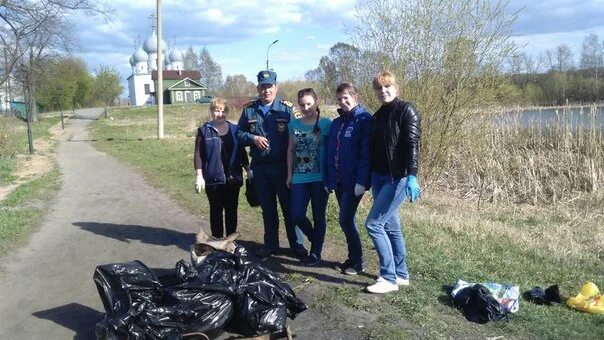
(237, 32)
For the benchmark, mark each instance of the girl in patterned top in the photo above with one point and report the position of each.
(306, 168)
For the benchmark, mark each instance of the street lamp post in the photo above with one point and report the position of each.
(59, 93)
(268, 48)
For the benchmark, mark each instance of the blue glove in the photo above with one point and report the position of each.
(412, 188)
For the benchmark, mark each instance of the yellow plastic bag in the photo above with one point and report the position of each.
(588, 300)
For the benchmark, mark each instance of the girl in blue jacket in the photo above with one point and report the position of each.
(348, 168)
(218, 160)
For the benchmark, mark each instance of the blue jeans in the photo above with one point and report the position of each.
(314, 192)
(349, 203)
(269, 182)
(384, 225)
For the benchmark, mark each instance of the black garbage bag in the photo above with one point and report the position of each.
(262, 299)
(264, 303)
(130, 293)
(225, 291)
(479, 305)
(138, 307)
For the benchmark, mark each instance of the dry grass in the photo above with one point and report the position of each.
(563, 233)
(506, 158)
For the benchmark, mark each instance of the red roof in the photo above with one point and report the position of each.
(177, 74)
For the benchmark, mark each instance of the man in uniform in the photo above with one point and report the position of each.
(263, 127)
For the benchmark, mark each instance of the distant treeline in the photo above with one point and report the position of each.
(556, 88)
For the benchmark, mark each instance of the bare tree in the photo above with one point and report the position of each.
(592, 52)
(210, 70)
(190, 59)
(564, 58)
(447, 55)
(548, 59)
(592, 56)
(237, 86)
(29, 30)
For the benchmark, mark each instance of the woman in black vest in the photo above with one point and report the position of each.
(218, 161)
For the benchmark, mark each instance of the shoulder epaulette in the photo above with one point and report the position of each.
(297, 113)
(287, 103)
(250, 103)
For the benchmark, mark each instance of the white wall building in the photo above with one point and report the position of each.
(141, 88)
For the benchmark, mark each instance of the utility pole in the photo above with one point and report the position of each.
(159, 91)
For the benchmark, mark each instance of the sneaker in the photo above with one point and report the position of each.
(402, 282)
(265, 252)
(310, 260)
(382, 286)
(346, 264)
(354, 270)
(348, 267)
(300, 251)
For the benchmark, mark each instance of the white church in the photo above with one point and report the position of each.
(179, 85)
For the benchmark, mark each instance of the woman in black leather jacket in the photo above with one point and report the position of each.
(394, 163)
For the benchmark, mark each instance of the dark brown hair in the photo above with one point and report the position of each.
(311, 92)
(347, 87)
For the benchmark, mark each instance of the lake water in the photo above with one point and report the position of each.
(576, 117)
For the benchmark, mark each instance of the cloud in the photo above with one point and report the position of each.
(237, 32)
(555, 15)
(534, 44)
(216, 15)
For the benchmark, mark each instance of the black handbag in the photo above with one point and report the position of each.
(250, 193)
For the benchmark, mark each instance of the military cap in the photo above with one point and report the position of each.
(267, 77)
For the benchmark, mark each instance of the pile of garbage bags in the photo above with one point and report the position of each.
(224, 292)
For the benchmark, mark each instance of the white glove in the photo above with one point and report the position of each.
(250, 174)
(358, 190)
(199, 183)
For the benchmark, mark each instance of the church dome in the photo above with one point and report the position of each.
(176, 55)
(150, 45)
(167, 58)
(131, 61)
(139, 55)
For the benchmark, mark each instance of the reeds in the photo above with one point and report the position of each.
(543, 159)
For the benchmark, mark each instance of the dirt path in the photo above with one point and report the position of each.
(103, 213)
(106, 213)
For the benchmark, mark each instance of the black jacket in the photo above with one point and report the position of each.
(401, 136)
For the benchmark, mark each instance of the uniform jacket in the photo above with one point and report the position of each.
(401, 137)
(273, 126)
(348, 158)
(208, 149)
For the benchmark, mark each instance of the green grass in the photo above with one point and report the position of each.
(21, 210)
(447, 239)
(13, 142)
